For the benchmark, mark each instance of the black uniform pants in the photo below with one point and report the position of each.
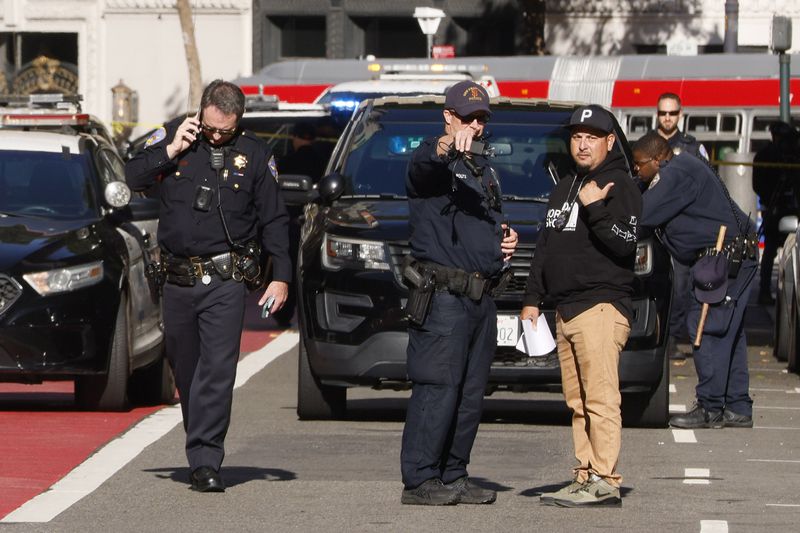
(203, 328)
(723, 378)
(681, 297)
(448, 364)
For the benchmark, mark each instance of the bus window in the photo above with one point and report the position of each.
(640, 124)
(701, 123)
(761, 122)
(730, 124)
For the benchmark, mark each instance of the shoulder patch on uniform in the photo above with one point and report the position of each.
(273, 167)
(156, 137)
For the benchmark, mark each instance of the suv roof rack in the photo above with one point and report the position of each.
(49, 101)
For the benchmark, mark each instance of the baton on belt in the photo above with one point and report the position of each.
(704, 310)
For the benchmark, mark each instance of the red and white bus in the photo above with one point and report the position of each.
(728, 99)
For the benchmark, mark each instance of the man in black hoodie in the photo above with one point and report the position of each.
(584, 260)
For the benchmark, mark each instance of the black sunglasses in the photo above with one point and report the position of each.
(482, 118)
(670, 113)
(212, 129)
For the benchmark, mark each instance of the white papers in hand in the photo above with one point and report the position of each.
(536, 342)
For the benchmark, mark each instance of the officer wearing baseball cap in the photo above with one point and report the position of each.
(466, 98)
(459, 243)
(689, 203)
(584, 262)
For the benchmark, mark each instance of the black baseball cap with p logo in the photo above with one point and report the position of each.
(592, 116)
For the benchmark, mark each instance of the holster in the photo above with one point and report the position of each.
(420, 294)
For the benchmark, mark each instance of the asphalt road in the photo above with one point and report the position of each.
(287, 475)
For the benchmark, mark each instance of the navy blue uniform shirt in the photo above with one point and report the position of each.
(455, 228)
(690, 203)
(250, 197)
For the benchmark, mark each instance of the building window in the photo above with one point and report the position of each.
(392, 36)
(301, 36)
(33, 62)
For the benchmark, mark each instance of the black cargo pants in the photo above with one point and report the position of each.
(449, 358)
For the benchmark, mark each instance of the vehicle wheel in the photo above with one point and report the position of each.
(783, 329)
(153, 385)
(793, 359)
(109, 391)
(648, 409)
(316, 401)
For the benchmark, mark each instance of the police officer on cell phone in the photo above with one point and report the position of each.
(221, 211)
(459, 243)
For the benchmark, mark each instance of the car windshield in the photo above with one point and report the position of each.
(531, 149)
(277, 130)
(45, 184)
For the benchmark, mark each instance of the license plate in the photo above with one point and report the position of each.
(507, 330)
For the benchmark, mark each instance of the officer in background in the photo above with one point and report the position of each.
(668, 115)
(459, 244)
(688, 202)
(219, 203)
(776, 188)
(584, 260)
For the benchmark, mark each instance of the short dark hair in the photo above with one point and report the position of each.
(652, 145)
(225, 96)
(670, 96)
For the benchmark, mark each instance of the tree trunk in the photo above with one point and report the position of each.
(192, 57)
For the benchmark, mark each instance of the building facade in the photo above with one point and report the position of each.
(386, 28)
(91, 45)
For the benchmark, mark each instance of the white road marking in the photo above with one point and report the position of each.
(684, 435)
(773, 461)
(756, 389)
(677, 408)
(697, 476)
(86, 477)
(783, 505)
(713, 526)
(672, 388)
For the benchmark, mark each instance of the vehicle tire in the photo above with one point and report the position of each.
(793, 358)
(316, 401)
(109, 391)
(648, 409)
(153, 384)
(783, 329)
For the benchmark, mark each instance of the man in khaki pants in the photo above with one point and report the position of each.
(584, 260)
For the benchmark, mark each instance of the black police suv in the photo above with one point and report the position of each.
(354, 238)
(74, 246)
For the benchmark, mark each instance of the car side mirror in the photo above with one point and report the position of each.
(787, 224)
(296, 189)
(330, 188)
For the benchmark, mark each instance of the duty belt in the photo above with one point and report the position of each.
(186, 270)
(747, 246)
(458, 281)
